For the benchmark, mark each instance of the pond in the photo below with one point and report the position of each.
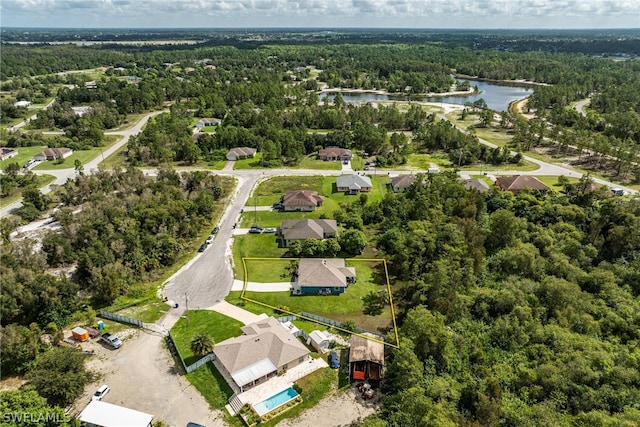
(498, 97)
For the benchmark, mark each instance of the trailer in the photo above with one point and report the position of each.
(80, 334)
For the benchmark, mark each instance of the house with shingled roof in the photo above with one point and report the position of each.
(321, 276)
(402, 182)
(265, 349)
(477, 184)
(301, 229)
(518, 183)
(335, 153)
(53, 153)
(301, 200)
(208, 121)
(241, 153)
(354, 184)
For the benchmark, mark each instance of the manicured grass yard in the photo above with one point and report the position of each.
(311, 162)
(273, 218)
(552, 181)
(271, 190)
(250, 163)
(343, 307)
(213, 387)
(24, 154)
(257, 246)
(218, 326)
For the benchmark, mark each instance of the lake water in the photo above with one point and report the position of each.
(497, 97)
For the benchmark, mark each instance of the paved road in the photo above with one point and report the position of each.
(544, 168)
(27, 120)
(581, 104)
(63, 174)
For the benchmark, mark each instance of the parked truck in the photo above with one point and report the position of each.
(111, 340)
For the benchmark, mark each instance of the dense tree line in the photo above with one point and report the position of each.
(514, 310)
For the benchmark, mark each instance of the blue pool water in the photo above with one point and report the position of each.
(275, 401)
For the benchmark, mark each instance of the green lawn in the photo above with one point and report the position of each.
(310, 162)
(84, 156)
(273, 218)
(357, 163)
(251, 163)
(24, 154)
(343, 307)
(552, 181)
(522, 166)
(418, 161)
(213, 387)
(313, 388)
(218, 326)
(256, 246)
(270, 190)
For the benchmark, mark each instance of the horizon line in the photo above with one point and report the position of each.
(327, 28)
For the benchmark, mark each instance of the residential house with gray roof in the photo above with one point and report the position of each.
(402, 182)
(354, 184)
(321, 276)
(266, 349)
(301, 229)
(301, 200)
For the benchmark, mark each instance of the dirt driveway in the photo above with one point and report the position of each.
(142, 376)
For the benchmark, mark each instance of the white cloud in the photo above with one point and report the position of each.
(390, 13)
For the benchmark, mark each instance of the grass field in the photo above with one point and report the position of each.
(552, 181)
(274, 218)
(251, 163)
(271, 190)
(346, 306)
(218, 326)
(310, 162)
(257, 246)
(24, 154)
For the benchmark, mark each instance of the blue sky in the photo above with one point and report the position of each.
(321, 13)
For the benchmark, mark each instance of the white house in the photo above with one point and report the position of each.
(208, 121)
(22, 104)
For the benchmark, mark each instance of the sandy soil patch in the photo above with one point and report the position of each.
(142, 376)
(337, 410)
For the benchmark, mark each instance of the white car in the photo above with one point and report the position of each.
(101, 392)
(210, 239)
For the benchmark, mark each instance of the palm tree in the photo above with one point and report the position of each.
(202, 344)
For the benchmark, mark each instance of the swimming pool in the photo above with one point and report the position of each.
(275, 401)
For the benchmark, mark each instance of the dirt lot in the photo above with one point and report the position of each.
(142, 376)
(338, 410)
